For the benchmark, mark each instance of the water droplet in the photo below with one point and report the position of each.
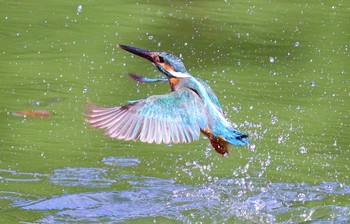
(252, 147)
(303, 150)
(280, 139)
(85, 89)
(37, 103)
(312, 83)
(245, 169)
(250, 11)
(274, 120)
(272, 59)
(301, 196)
(79, 9)
(335, 142)
(150, 37)
(235, 109)
(297, 44)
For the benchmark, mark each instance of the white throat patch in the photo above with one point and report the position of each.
(179, 74)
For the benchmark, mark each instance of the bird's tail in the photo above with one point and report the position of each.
(238, 138)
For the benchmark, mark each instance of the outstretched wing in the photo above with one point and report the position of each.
(175, 117)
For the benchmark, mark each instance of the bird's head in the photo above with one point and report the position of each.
(170, 65)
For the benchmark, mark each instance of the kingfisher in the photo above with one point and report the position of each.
(180, 116)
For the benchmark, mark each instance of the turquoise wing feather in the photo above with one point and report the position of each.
(172, 118)
(211, 94)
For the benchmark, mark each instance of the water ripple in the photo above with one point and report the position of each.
(225, 200)
(114, 161)
(80, 176)
(14, 176)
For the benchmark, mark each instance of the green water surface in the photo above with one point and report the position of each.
(281, 70)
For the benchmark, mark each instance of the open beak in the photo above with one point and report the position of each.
(152, 56)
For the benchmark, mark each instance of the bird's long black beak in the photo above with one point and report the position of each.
(140, 52)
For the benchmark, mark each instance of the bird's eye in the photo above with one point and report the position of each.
(161, 60)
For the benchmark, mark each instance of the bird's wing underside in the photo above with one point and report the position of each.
(172, 118)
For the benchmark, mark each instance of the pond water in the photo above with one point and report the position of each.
(280, 70)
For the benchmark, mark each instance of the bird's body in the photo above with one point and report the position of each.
(192, 107)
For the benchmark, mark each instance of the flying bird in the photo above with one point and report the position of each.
(180, 116)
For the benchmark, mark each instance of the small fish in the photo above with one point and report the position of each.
(32, 113)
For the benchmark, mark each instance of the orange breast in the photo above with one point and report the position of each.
(174, 82)
(219, 143)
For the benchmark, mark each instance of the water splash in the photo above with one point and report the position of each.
(244, 199)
